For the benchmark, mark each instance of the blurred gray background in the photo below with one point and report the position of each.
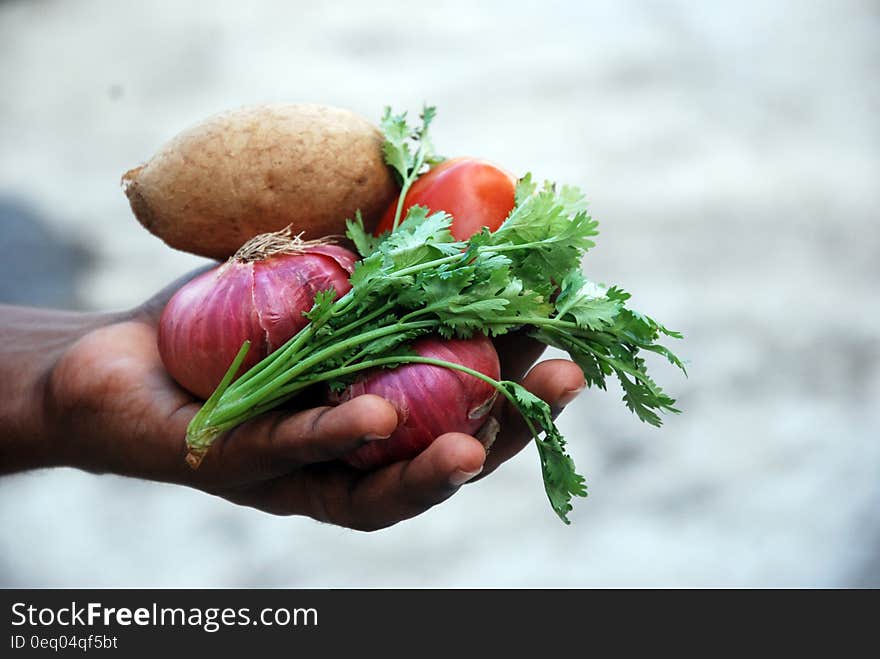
(732, 155)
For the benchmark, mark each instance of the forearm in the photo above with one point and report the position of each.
(31, 342)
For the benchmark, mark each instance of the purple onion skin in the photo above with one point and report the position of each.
(205, 323)
(430, 400)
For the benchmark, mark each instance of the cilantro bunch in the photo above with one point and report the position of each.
(418, 280)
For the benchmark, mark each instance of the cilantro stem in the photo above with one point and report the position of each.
(402, 359)
(428, 265)
(288, 351)
(270, 365)
(407, 183)
(199, 443)
(363, 320)
(242, 401)
(404, 189)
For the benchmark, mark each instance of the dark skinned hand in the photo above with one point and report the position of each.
(90, 391)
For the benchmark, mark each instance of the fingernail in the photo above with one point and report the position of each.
(568, 396)
(460, 477)
(372, 437)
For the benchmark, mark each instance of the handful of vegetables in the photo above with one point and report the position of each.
(464, 252)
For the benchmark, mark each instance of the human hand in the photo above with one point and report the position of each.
(110, 406)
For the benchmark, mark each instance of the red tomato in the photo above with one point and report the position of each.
(474, 192)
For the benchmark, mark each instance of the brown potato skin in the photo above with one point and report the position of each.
(258, 169)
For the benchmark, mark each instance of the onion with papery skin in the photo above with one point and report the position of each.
(260, 295)
(430, 400)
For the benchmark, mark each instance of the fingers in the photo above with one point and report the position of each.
(517, 352)
(369, 501)
(557, 382)
(277, 443)
(406, 489)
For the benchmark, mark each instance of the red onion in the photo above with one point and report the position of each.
(430, 400)
(260, 294)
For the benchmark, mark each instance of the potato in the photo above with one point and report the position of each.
(258, 169)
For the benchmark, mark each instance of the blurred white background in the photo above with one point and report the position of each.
(732, 155)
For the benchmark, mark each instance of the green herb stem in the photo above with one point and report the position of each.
(247, 397)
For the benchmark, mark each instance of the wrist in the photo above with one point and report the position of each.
(34, 340)
(22, 437)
